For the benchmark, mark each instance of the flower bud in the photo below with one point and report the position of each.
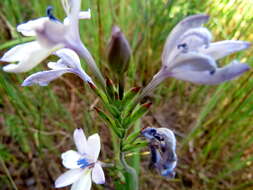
(119, 52)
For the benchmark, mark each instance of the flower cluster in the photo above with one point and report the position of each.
(189, 54)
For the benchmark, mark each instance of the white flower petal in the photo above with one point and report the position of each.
(170, 136)
(69, 57)
(57, 65)
(190, 22)
(69, 177)
(84, 183)
(28, 28)
(43, 78)
(193, 62)
(85, 14)
(70, 158)
(82, 15)
(228, 72)
(29, 55)
(93, 147)
(98, 175)
(221, 49)
(80, 141)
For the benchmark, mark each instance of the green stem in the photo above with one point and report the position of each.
(134, 183)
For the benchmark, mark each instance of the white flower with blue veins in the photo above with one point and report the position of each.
(51, 34)
(83, 164)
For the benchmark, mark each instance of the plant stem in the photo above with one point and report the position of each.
(134, 183)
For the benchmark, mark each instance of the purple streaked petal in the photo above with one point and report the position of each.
(80, 141)
(69, 177)
(98, 175)
(190, 22)
(70, 159)
(43, 78)
(93, 147)
(228, 72)
(193, 62)
(218, 50)
(84, 183)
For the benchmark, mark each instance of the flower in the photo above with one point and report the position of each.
(162, 144)
(83, 164)
(69, 63)
(50, 35)
(190, 55)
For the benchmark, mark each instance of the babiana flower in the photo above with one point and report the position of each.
(162, 144)
(83, 164)
(69, 63)
(190, 55)
(51, 35)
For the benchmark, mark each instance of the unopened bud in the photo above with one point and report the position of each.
(119, 52)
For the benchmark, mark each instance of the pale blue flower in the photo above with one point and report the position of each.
(190, 55)
(69, 63)
(83, 164)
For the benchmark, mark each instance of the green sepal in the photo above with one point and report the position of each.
(140, 111)
(99, 93)
(137, 145)
(129, 95)
(110, 89)
(132, 137)
(119, 132)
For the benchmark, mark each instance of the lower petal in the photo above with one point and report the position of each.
(226, 73)
(29, 57)
(98, 175)
(84, 183)
(69, 178)
(70, 159)
(44, 78)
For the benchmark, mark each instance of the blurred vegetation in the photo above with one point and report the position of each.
(214, 124)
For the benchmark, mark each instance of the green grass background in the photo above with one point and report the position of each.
(214, 124)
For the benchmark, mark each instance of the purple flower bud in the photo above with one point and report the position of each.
(119, 52)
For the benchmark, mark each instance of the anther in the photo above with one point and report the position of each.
(50, 13)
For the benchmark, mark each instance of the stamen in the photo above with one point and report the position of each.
(50, 13)
(183, 46)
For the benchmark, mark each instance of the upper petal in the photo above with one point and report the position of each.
(80, 140)
(228, 72)
(28, 28)
(68, 177)
(29, 55)
(193, 62)
(194, 21)
(70, 159)
(81, 15)
(84, 183)
(221, 49)
(98, 175)
(43, 78)
(93, 147)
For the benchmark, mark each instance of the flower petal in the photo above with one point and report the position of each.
(80, 141)
(69, 57)
(57, 65)
(29, 55)
(193, 62)
(93, 147)
(70, 159)
(84, 183)
(28, 28)
(68, 177)
(98, 175)
(190, 22)
(228, 72)
(221, 49)
(43, 78)
(82, 15)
